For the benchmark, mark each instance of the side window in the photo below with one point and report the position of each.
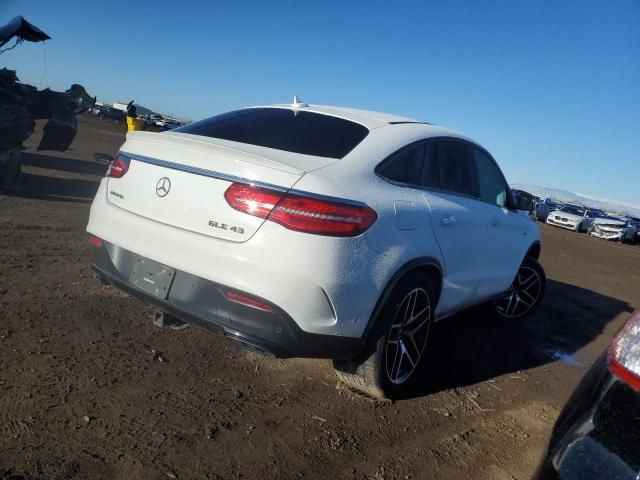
(405, 166)
(431, 169)
(456, 169)
(493, 188)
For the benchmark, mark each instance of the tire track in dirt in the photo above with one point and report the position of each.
(15, 408)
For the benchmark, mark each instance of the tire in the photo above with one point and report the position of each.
(525, 293)
(394, 352)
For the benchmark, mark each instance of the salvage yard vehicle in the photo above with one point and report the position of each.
(573, 217)
(316, 231)
(22, 104)
(636, 223)
(569, 217)
(544, 208)
(598, 432)
(613, 228)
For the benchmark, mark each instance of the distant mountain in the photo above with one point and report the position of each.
(613, 206)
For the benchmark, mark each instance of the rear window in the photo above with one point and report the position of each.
(572, 210)
(456, 172)
(405, 166)
(294, 131)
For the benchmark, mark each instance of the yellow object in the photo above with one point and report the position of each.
(134, 124)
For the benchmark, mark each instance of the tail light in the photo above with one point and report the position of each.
(95, 241)
(118, 166)
(247, 301)
(624, 354)
(301, 213)
(255, 201)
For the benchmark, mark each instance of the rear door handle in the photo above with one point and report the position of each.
(448, 220)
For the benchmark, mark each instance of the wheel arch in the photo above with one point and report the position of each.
(534, 250)
(429, 265)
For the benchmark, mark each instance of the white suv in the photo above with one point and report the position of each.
(316, 231)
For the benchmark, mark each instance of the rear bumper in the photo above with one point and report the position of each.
(327, 285)
(202, 302)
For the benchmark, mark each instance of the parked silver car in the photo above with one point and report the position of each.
(614, 228)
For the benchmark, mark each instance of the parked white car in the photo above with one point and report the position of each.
(316, 231)
(569, 217)
(613, 228)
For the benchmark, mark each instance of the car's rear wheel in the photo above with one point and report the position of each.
(525, 293)
(397, 343)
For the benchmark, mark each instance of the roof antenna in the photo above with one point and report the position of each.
(297, 103)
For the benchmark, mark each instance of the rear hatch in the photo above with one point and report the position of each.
(180, 177)
(180, 180)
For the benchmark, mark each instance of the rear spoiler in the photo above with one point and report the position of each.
(269, 158)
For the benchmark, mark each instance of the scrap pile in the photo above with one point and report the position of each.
(21, 105)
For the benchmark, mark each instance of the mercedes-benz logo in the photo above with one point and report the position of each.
(163, 187)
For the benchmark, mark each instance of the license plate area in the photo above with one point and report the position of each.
(152, 277)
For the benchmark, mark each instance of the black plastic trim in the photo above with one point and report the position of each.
(391, 285)
(275, 334)
(535, 245)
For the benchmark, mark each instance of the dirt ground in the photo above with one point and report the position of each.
(91, 389)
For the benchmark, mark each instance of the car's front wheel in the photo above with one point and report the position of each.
(525, 293)
(397, 343)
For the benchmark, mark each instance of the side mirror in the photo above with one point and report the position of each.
(524, 203)
(520, 202)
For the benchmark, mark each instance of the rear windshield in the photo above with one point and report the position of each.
(572, 210)
(294, 131)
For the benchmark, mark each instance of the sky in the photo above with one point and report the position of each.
(551, 88)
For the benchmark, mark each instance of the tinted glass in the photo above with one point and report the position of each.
(405, 166)
(283, 129)
(493, 188)
(456, 173)
(572, 210)
(431, 168)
